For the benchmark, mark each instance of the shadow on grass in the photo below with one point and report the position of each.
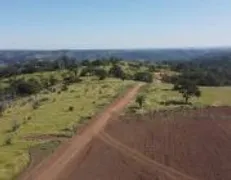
(166, 89)
(174, 102)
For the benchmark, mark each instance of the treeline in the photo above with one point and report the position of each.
(205, 71)
(74, 70)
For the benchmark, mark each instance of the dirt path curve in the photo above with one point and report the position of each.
(168, 171)
(52, 168)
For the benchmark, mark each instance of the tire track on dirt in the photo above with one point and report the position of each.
(54, 167)
(170, 172)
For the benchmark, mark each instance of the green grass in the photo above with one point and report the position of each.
(158, 94)
(53, 116)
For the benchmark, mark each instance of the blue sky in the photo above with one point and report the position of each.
(100, 24)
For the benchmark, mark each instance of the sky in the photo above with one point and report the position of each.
(114, 24)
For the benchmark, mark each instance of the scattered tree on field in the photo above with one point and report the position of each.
(140, 99)
(101, 73)
(144, 76)
(187, 88)
(116, 71)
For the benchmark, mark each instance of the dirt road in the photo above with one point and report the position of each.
(55, 167)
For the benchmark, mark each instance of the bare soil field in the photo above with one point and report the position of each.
(177, 144)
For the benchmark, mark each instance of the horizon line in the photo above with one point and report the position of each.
(117, 49)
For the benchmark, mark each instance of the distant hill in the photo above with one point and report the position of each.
(12, 56)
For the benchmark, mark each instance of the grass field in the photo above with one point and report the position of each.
(161, 96)
(57, 113)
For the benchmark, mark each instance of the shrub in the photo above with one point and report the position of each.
(116, 71)
(23, 103)
(53, 80)
(53, 90)
(144, 76)
(101, 73)
(71, 108)
(64, 87)
(140, 99)
(8, 140)
(22, 87)
(35, 104)
(71, 79)
(75, 128)
(88, 71)
(2, 108)
(45, 82)
(15, 125)
(44, 99)
(45, 92)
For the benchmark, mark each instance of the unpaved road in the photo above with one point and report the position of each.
(55, 166)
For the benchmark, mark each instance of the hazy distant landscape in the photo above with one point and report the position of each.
(12, 56)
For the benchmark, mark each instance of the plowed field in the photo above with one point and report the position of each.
(179, 144)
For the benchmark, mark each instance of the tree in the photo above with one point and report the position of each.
(140, 99)
(52, 80)
(187, 88)
(144, 76)
(25, 87)
(101, 73)
(116, 71)
(87, 71)
(152, 68)
(85, 62)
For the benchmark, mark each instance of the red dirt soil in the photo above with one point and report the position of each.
(58, 165)
(180, 145)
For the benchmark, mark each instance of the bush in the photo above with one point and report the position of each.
(116, 71)
(140, 99)
(22, 87)
(52, 80)
(45, 82)
(71, 108)
(88, 71)
(144, 76)
(2, 108)
(15, 125)
(101, 73)
(71, 79)
(64, 87)
(8, 140)
(53, 90)
(44, 99)
(35, 104)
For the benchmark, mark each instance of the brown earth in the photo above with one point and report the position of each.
(60, 163)
(178, 144)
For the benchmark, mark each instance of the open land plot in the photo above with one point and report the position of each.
(160, 96)
(164, 145)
